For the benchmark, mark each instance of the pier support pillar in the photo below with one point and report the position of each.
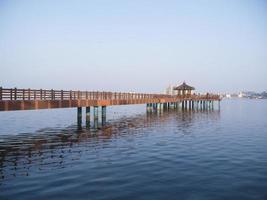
(164, 106)
(147, 107)
(154, 106)
(190, 105)
(210, 105)
(79, 117)
(95, 117)
(104, 115)
(87, 116)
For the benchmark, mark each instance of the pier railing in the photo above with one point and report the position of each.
(7, 94)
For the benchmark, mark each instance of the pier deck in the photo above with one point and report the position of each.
(30, 99)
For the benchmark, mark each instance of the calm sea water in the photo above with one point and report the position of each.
(174, 155)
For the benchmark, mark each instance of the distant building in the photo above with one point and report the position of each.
(240, 95)
(170, 90)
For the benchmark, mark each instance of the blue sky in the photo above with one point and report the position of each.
(140, 45)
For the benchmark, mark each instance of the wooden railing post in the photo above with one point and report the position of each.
(70, 95)
(23, 94)
(61, 95)
(41, 94)
(52, 94)
(11, 94)
(34, 94)
(1, 93)
(29, 94)
(15, 93)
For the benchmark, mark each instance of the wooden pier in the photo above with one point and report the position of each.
(31, 99)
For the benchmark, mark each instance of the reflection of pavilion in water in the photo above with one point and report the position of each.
(54, 149)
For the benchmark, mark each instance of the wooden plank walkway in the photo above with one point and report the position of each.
(29, 99)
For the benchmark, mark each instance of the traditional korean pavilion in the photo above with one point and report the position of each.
(184, 89)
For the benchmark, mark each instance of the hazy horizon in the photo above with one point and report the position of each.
(142, 46)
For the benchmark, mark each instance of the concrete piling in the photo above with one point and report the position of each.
(79, 116)
(104, 117)
(95, 117)
(87, 116)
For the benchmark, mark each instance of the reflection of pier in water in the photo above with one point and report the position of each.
(53, 148)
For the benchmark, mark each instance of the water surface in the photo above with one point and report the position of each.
(172, 155)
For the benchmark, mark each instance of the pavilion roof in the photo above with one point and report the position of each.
(184, 86)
